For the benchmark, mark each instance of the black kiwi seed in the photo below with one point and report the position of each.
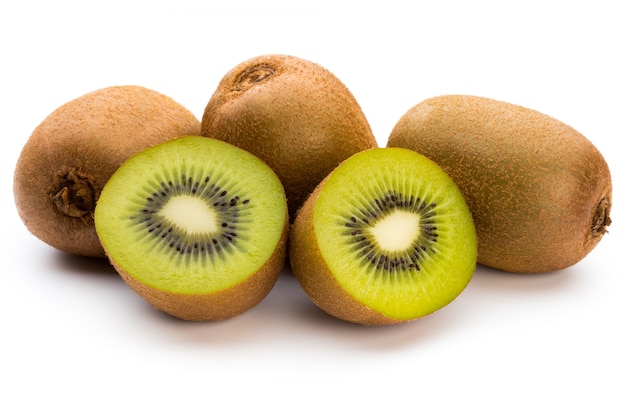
(180, 241)
(368, 250)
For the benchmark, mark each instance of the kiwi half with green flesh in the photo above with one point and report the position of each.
(195, 226)
(73, 152)
(539, 191)
(294, 114)
(385, 238)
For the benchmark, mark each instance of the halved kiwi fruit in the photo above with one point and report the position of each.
(195, 226)
(73, 152)
(294, 114)
(386, 237)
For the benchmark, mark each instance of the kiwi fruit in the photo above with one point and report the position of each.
(385, 238)
(292, 113)
(195, 226)
(539, 191)
(69, 157)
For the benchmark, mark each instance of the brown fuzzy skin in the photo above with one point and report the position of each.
(539, 191)
(221, 305)
(292, 113)
(317, 280)
(75, 150)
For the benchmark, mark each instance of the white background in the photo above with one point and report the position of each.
(77, 341)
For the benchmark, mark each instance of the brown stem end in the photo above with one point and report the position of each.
(74, 195)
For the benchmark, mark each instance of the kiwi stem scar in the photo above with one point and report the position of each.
(74, 195)
(601, 217)
(253, 76)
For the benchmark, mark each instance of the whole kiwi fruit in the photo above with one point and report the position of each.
(70, 156)
(539, 191)
(385, 238)
(294, 114)
(195, 226)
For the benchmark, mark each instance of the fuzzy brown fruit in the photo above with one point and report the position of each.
(539, 191)
(292, 113)
(73, 152)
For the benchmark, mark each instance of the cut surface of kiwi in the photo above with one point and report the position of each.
(192, 219)
(386, 237)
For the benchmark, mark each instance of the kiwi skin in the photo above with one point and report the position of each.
(75, 150)
(221, 305)
(321, 287)
(292, 113)
(539, 191)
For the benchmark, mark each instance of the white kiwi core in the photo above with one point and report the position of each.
(191, 214)
(397, 231)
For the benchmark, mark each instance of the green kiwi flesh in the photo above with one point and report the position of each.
(539, 191)
(72, 153)
(385, 238)
(195, 226)
(294, 114)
